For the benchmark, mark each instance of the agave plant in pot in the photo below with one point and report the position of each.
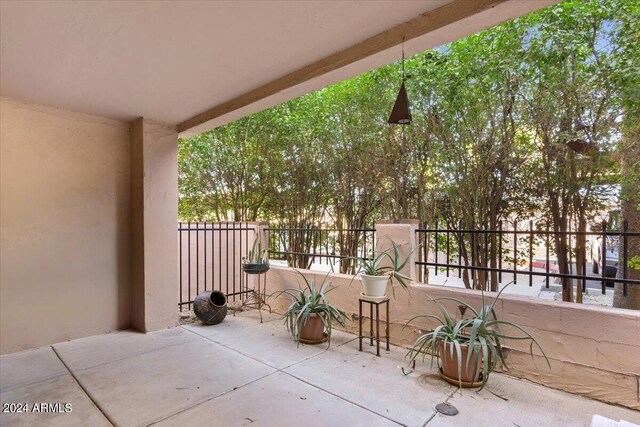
(469, 348)
(257, 260)
(310, 316)
(380, 270)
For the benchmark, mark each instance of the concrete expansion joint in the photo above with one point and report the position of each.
(435, 413)
(313, 356)
(283, 371)
(341, 397)
(30, 383)
(126, 357)
(225, 346)
(259, 361)
(84, 390)
(275, 371)
(202, 402)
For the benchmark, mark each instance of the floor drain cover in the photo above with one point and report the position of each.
(446, 409)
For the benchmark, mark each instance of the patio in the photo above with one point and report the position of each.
(242, 372)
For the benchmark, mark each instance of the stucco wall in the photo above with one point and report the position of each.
(593, 351)
(65, 185)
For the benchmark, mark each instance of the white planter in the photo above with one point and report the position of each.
(374, 286)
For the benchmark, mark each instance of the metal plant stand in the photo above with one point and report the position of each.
(371, 303)
(257, 296)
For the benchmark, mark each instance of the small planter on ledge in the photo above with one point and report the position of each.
(382, 269)
(257, 268)
(257, 261)
(374, 286)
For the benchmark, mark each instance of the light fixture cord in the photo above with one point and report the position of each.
(403, 59)
(404, 137)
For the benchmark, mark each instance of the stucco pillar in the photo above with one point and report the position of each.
(154, 216)
(403, 233)
(262, 233)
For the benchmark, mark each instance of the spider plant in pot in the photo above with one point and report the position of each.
(382, 269)
(310, 315)
(469, 348)
(257, 260)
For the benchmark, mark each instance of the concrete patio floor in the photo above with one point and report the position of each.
(241, 372)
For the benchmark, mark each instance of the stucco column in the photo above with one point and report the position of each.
(262, 233)
(403, 233)
(154, 217)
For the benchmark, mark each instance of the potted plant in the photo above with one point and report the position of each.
(381, 270)
(257, 260)
(310, 315)
(470, 348)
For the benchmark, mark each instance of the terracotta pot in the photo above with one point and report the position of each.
(374, 286)
(449, 363)
(313, 330)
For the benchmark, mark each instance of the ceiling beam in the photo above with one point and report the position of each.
(416, 27)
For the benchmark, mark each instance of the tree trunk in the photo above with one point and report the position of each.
(581, 253)
(493, 252)
(465, 258)
(559, 215)
(630, 152)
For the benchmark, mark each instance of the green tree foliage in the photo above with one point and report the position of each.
(494, 115)
(626, 77)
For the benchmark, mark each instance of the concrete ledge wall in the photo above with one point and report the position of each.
(65, 268)
(593, 351)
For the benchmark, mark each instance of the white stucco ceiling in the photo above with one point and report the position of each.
(170, 60)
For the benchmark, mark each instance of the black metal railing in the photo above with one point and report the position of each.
(321, 248)
(483, 257)
(210, 258)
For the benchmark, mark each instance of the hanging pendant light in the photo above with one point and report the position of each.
(401, 113)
